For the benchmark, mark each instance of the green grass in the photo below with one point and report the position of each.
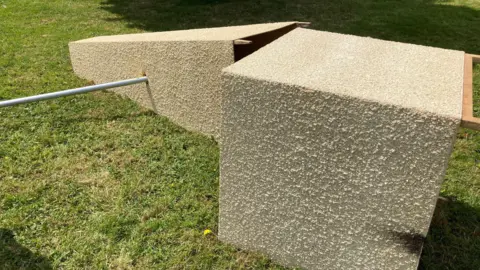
(94, 181)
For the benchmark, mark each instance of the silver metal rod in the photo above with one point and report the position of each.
(70, 92)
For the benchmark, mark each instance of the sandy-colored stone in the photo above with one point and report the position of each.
(183, 68)
(334, 148)
(228, 33)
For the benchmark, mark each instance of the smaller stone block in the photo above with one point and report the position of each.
(183, 67)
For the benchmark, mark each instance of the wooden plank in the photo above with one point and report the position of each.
(475, 58)
(243, 49)
(467, 88)
(242, 42)
(468, 120)
(303, 24)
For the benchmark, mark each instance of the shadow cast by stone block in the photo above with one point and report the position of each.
(15, 256)
(455, 226)
(424, 22)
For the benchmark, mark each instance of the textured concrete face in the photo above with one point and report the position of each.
(332, 155)
(183, 68)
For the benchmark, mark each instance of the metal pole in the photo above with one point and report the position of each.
(70, 92)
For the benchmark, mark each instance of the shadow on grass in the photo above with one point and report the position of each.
(15, 256)
(453, 241)
(414, 21)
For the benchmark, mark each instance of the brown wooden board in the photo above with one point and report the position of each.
(468, 120)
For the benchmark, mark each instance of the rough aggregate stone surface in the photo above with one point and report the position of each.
(183, 68)
(334, 148)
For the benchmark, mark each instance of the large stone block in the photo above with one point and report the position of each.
(183, 67)
(334, 148)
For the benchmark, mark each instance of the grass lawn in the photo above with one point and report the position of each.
(94, 181)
